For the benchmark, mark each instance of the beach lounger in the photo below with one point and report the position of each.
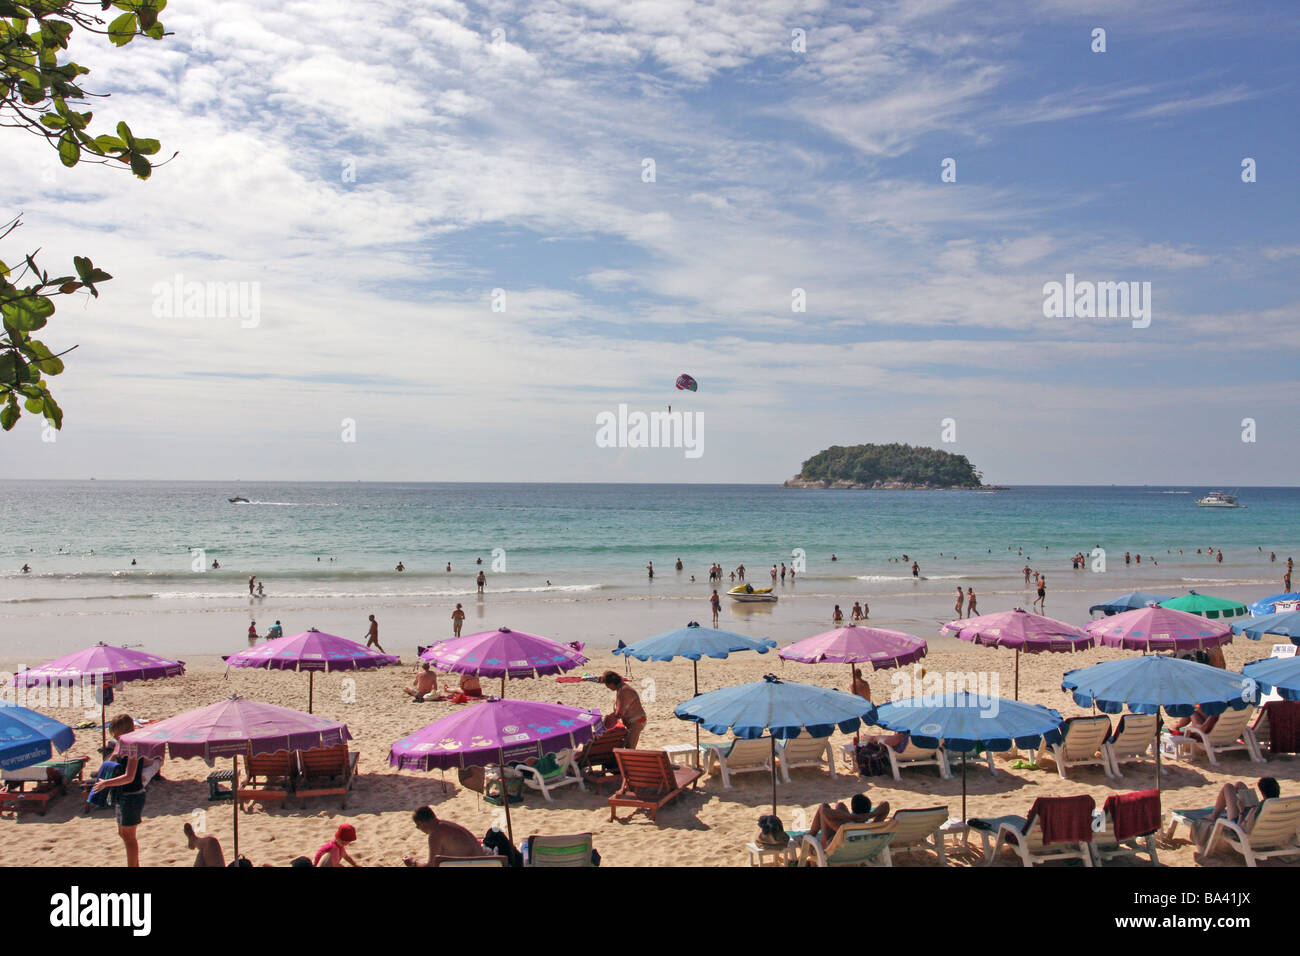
(569, 851)
(1277, 725)
(738, 756)
(1081, 744)
(914, 756)
(1127, 820)
(1271, 831)
(1130, 742)
(50, 779)
(267, 778)
(650, 781)
(469, 861)
(326, 772)
(917, 829)
(1230, 731)
(551, 772)
(804, 752)
(596, 761)
(1034, 845)
(854, 844)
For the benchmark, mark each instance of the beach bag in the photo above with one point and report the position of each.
(873, 759)
(771, 832)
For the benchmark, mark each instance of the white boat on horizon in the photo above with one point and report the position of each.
(1218, 499)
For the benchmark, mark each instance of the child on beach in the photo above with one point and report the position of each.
(334, 852)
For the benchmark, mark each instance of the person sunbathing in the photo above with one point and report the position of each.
(1198, 719)
(1237, 804)
(829, 818)
(209, 850)
(895, 742)
(426, 683)
(470, 686)
(445, 838)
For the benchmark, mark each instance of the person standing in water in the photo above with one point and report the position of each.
(457, 619)
(650, 570)
(482, 581)
(916, 570)
(372, 635)
(958, 605)
(1041, 601)
(716, 603)
(970, 602)
(251, 580)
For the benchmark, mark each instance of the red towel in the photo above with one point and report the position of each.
(1134, 814)
(1064, 819)
(1283, 726)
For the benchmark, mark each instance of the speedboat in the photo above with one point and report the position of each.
(237, 499)
(1218, 499)
(749, 593)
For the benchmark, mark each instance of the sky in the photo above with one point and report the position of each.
(460, 232)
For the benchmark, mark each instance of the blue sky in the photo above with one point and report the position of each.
(514, 162)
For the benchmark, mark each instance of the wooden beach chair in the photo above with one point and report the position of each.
(1130, 742)
(1108, 845)
(326, 772)
(650, 781)
(1081, 744)
(1229, 731)
(596, 761)
(267, 778)
(804, 752)
(738, 756)
(916, 829)
(546, 775)
(1271, 831)
(567, 851)
(854, 844)
(1025, 836)
(50, 779)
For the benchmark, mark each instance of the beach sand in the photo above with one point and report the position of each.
(705, 828)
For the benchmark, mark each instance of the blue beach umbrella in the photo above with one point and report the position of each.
(27, 737)
(1129, 602)
(1276, 673)
(1146, 684)
(965, 722)
(1269, 604)
(1286, 624)
(779, 708)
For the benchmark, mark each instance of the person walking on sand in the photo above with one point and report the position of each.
(1041, 601)
(130, 793)
(627, 707)
(372, 635)
(482, 581)
(970, 602)
(716, 603)
(457, 619)
(960, 595)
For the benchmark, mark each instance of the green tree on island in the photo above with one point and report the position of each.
(38, 91)
(867, 464)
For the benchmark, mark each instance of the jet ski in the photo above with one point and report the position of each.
(237, 500)
(747, 592)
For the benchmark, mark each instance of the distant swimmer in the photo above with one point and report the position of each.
(479, 561)
(215, 564)
(856, 614)
(548, 583)
(838, 617)
(650, 569)
(774, 575)
(916, 570)
(679, 564)
(261, 592)
(482, 581)
(27, 569)
(457, 619)
(401, 566)
(372, 635)
(251, 580)
(274, 631)
(833, 558)
(252, 631)
(783, 572)
(133, 562)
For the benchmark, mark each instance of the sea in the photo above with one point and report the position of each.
(117, 549)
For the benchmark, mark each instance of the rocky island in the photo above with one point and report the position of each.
(887, 467)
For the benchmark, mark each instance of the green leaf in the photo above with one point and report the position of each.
(53, 413)
(123, 29)
(110, 143)
(29, 313)
(8, 416)
(124, 131)
(155, 32)
(43, 360)
(69, 287)
(140, 166)
(35, 405)
(69, 152)
(147, 147)
(11, 367)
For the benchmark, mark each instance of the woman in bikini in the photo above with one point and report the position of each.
(627, 707)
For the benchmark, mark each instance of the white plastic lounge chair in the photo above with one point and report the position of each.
(567, 851)
(1106, 847)
(917, 829)
(1081, 744)
(738, 756)
(565, 772)
(1271, 831)
(1130, 742)
(1025, 836)
(1230, 732)
(912, 756)
(854, 844)
(804, 752)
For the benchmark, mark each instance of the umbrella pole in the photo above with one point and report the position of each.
(1157, 748)
(234, 801)
(505, 793)
(963, 786)
(695, 666)
(311, 686)
(772, 738)
(103, 722)
(503, 697)
(1017, 673)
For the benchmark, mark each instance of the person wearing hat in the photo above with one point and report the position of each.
(335, 851)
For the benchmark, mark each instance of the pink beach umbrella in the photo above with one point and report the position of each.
(104, 665)
(503, 653)
(233, 728)
(312, 651)
(1155, 628)
(880, 648)
(1018, 629)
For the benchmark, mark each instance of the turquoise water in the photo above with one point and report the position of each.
(595, 540)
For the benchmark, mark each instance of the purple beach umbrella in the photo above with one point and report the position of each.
(312, 651)
(232, 728)
(1156, 628)
(855, 644)
(104, 665)
(1023, 631)
(495, 731)
(503, 653)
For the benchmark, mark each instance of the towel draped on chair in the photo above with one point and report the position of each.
(1133, 814)
(1064, 819)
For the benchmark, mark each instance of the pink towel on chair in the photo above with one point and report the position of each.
(1134, 814)
(1065, 819)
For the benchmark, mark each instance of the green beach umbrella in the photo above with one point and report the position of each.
(1207, 606)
